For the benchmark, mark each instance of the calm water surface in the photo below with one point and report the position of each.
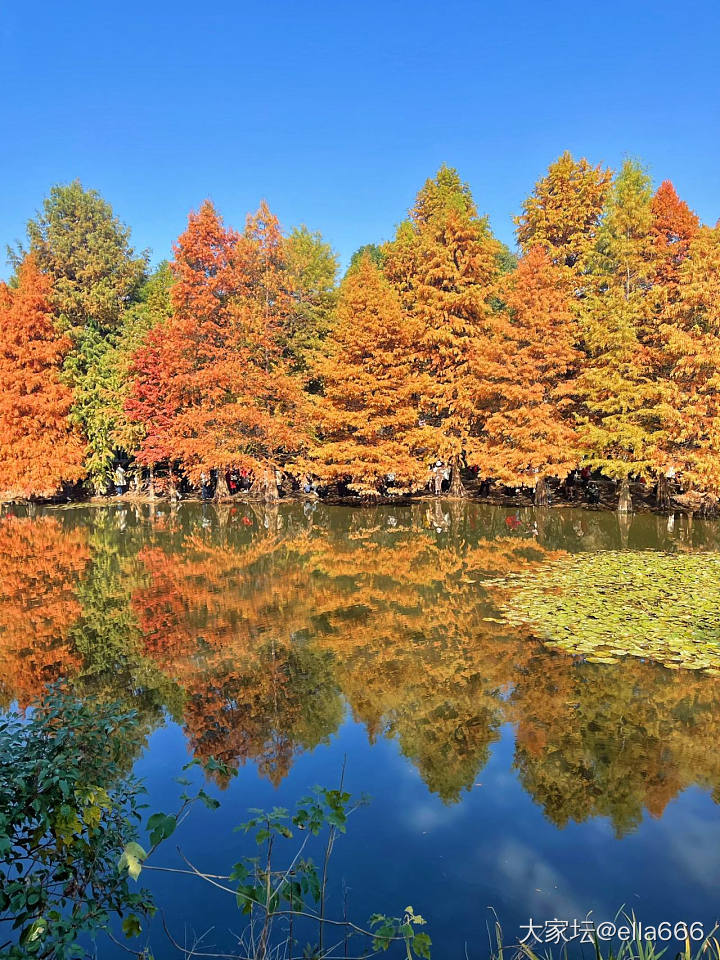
(502, 774)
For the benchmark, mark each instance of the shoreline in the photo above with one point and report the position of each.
(606, 504)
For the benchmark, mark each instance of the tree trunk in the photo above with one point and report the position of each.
(541, 493)
(222, 491)
(271, 487)
(625, 500)
(662, 495)
(456, 485)
(151, 481)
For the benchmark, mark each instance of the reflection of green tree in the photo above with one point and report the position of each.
(613, 740)
(107, 636)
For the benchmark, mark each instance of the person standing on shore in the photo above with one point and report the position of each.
(120, 480)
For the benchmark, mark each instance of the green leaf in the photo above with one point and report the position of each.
(131, 926)
(421, 945)
(160, 827)
(210, 802)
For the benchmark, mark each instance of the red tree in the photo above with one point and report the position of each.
(673, 226)
(210, 385)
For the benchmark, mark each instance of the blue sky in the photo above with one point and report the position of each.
(336, 112)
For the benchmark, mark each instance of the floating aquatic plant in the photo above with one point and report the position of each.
(605, 606)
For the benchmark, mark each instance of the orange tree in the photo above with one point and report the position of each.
(691, 333)
(673, 227)
(444, 261)
(530, 432)
(39, 448)
(367, 415)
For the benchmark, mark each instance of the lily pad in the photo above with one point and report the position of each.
(655, 606)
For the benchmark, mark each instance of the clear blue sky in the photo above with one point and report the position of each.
(336, 112)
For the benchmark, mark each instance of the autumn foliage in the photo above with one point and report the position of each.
(39, 448)
(40, 565)
(367, 414)
(210, 386)
(441, 349)
(531, 427)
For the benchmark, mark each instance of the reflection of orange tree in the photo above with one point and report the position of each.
(261, 635)
(421, 653)
(262, 631)
(610, 740)
(40, 565)
(223, 622)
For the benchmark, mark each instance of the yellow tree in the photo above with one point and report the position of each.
(564, 211)
(368, 417)
(444, 261)
(616, 383)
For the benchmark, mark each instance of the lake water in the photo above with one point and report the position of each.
(291, 642)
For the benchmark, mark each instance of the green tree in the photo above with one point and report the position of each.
(96, 274)
(153, 307)
(372, 250)
(615, 384)
(312, 268)
(68, 812)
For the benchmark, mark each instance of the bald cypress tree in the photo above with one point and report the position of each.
(40, 449)
(529, 432)
(367, 418)
(564, 211)
(444, 261)
(80, 243)
(616, 385)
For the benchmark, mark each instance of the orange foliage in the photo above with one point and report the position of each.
(673, 227)
(445, 261)
(691, 333)
(210, 386)
(39, 448)
(40, 566)
(368, 411)
(530, 432)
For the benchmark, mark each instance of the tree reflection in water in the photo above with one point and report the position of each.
(257, 630)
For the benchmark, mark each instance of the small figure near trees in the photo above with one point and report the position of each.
(120, 480)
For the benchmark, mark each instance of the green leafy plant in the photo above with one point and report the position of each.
(284, 902)
(66, 809)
